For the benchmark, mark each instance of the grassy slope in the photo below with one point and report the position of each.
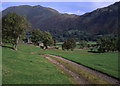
(22, 67)
(106, 62)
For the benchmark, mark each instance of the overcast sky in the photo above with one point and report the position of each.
(78, 8)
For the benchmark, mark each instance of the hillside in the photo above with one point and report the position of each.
(25, 66)
(44, 18)
(100, 21)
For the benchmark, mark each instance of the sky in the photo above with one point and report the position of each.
(78, 8)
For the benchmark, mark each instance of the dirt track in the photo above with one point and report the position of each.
(76, 76)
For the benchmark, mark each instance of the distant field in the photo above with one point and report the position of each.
(25, 66)
(77, 44)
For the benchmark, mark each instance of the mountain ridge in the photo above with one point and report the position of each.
(100, 21)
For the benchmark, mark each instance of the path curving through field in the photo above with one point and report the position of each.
(76, 75)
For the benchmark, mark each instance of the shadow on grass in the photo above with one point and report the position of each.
(6, 46)
(95, 52)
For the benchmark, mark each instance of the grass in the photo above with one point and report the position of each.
(92, 79)
(25, 66)
(77, 44)
(104, 62)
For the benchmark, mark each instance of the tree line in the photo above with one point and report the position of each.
(102, 45)
(108, 44)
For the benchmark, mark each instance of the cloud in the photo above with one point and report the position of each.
(78, 12)
(69, 12)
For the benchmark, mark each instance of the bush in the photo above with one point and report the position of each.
(69, 44)
(83, 44)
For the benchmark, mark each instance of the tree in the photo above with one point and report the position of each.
(36, 36)
(13, 28)
(43, 36)
(107, 44)
(83, 44)
(64, 45)
(55, 41)
(47, 39)
(69, 44)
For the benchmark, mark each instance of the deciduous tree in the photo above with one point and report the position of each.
(43, 36)
(14, 27)
(69, 44)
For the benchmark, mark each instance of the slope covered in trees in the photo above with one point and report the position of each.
(101, 21)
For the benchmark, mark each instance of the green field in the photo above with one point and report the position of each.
(77, 44)
(26, 66)
(104, 62)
